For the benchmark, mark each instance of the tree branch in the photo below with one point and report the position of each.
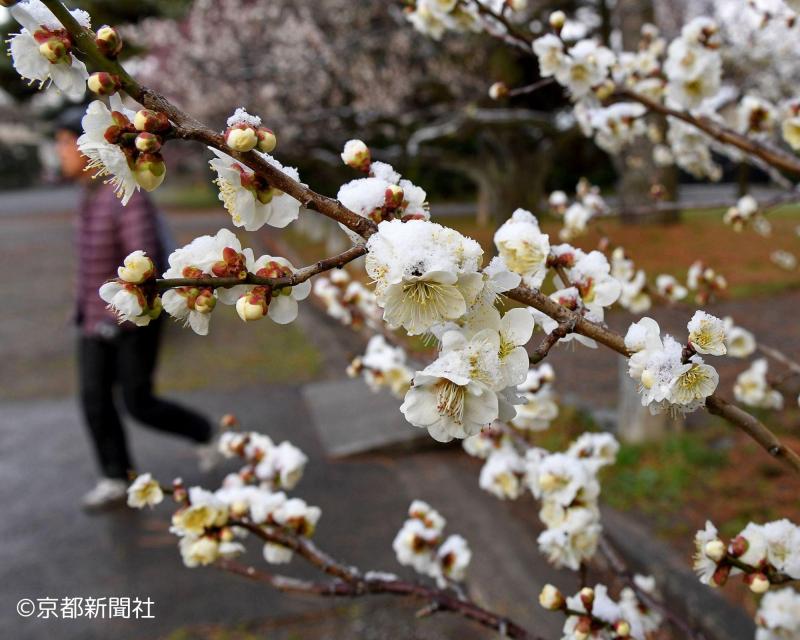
(351, 582)
(301, 275)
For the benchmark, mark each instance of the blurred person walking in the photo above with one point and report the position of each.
(113, 355)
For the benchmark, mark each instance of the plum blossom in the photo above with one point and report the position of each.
(42, 51)
(523, 247)
(250, 200)
(585, 66)
(753, 389)
(144, 491)
(707, 334)
(424, 274)
(107, 159)
(539, 407)
(778, 615)
(383, 365)
(739, 342)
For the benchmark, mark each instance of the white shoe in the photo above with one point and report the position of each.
(208, 455)
(106, 493)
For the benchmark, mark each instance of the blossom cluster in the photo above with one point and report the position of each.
(383, 194)
(420, 544)
(672, 376)
(133, 295)
(210, 524)
(383, 365)
(746, 213)
(435, 17)
(566, 484)
(347, 300)
(593, 615)
(754, 389)
(539, 407)
(762, 554)
(588, 203)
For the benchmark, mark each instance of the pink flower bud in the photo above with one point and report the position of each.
(738, 546)
(587, 597)
(266, 140)
(103, 83)
(720, 576)
(622, 629)
(108, 41)
(147, 142)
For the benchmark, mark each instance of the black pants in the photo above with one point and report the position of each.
(127, 360)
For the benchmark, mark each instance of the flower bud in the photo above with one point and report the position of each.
(557, 20)
(739, 546)
(103, 84)
(240, 137)
(149, 171)
(715, 550)
(252, 306)
(108, 41)
(146, 120)
(147, 142)
(622, 628)
(393, 197)
(587, 597)
(720, 576)
(356, 155)
(266, 140)
(205, 301)
(517, 5)
(136, 268)
(228, 421)
(498, 90)
(758, 582)
(54, 50)
(551, 598)
(647, 379)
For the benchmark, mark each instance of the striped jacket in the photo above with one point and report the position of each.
(106, 233)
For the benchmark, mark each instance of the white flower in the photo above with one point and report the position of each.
(205, 510)
(41, 52)
(414, 546)
(783, 546)
(356, 155)
(453, 396)
(560, 478)
(523, 247)
(144, 491)
(591, 275)
(425, 513)
(693, 383)
(453, 556)
(297, 516)
(739, 342)
(778, 616)
(198, 551)
(586, 66)
(424, 274)
(502, 474)
(756, 115)
(707, 334)
(248, 198)
(129, 303)
(753, 389)
(385, 366)
(670, 288)
(105, 158)
(572, 542)
(704, 566)
(281, 467)
(550, 51)
(595, 449)
(137, 267)
(538, 410)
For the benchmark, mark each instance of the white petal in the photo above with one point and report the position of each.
(283, 309)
